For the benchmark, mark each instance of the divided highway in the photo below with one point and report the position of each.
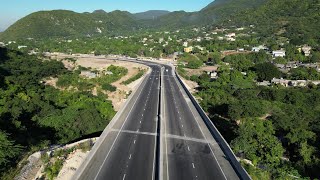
(158, 135)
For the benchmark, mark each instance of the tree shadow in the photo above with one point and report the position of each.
(227, 128)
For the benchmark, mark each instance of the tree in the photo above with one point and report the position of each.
(257, 141)
(315, 57)
(194, 64)
(8, 150)
(267, 71)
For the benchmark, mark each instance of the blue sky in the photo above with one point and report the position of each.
(12, 10)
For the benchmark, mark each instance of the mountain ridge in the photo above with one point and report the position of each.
(63, 23)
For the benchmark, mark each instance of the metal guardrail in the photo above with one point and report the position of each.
(242, 173)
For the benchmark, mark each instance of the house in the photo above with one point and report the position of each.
(258, 48)
(279, 53)
(293, 83)
(298, 83)
(264, 83)
(20, 47)
(220, 38)
(211, 71)
(306, 50)
(230, 35)
(188, 49)
(231, 39)
(240, 29)
(281, 81)
(185, 44)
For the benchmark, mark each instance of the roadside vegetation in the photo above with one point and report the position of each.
(34, 116)
(135, 77)
(277, 128)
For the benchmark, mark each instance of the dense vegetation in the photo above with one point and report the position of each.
(298, 20)
(277, 128)
(33, 116)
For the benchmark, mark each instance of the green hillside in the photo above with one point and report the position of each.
(62, 23)
(299, 20)
(296, 19)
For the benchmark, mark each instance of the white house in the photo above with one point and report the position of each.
(20, 47)
(230, 35)
(279, 53)
(185, 44)
(306, 50)
(258, 48)
(231, 39)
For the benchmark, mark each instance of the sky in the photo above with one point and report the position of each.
(13, 10)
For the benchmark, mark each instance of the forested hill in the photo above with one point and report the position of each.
(298, 20)
(61, 23)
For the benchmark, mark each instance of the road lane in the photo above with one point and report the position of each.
(189, 155)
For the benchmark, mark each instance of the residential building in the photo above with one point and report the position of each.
(220, 38)
(258, 48)
(231, 39)
(185, 44)
(306, 50)
(199, 39)
(20, 47)
(230, 35)
(279, 53)
(188, 49)
(211, 71)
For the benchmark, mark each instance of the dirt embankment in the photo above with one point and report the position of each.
(100, 63)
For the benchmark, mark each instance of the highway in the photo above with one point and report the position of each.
(129, 149)
(137, 146)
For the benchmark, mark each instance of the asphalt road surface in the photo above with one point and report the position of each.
(131, 149)
(189, 149)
